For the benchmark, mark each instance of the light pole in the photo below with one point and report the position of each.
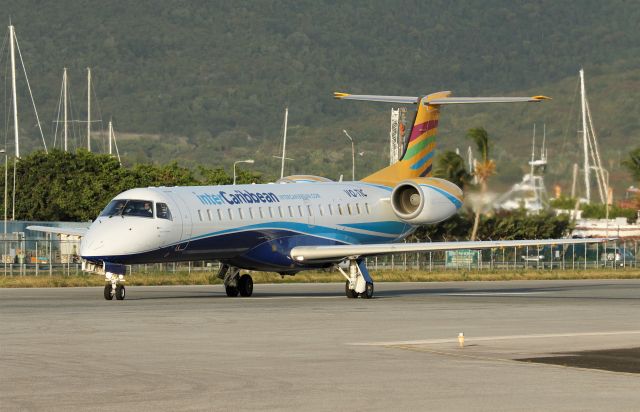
(353, 157)
(6, 173)
(234, 167)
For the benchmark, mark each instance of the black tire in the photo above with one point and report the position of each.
(120, 292)
(368, 292)
(232, 291)
(245, 285)
(107, 292)
(351, 294)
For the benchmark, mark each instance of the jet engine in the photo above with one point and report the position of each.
(425, 200)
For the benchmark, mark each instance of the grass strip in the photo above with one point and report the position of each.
(209, 278)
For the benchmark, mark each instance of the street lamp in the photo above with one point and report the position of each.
(234, 167)
(353, 157)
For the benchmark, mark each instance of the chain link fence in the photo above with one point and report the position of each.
(37, 257)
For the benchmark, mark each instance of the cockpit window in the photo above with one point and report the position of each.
(163, 212)
(125, 207)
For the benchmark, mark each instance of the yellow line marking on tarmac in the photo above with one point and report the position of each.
(469, 340)
(487, 293)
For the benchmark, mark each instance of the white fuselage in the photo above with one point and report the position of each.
(249, 226)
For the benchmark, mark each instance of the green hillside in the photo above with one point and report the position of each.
(206, 81)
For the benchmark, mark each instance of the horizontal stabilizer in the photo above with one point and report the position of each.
(304, 253)
(471, 100)
(70, 231)
(376, 98)
(436, 101)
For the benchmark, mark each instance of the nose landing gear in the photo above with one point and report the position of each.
(114, 286)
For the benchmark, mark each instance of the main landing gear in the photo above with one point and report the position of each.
(234, 283)
(359, 282)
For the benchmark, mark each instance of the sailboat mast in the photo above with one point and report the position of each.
(89, 108)
(110, 136)
(533, 149)
(13, 89)
(585, 141)
(64, 93)
(284, 141)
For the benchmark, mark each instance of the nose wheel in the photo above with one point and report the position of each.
(108, 291)
(114, 287)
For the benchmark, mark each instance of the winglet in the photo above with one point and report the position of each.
(539, 98)
(340, 95)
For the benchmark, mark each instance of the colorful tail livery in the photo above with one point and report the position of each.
(419, 152)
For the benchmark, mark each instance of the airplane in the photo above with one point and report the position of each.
(299, 223)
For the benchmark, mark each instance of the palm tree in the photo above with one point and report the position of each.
(450, 166)
(633, 163)
(483, 170)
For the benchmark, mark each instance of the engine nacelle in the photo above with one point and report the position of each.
(425, 200)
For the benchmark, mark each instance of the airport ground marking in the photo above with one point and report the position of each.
(458, 353)
(471, 340)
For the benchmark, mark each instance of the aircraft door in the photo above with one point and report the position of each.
(186, 220)
(168, 227)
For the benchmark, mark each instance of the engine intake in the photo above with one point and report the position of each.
(425, 200)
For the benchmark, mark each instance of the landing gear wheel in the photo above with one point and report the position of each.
(120, 292)
(232, 291)
(351, 294)
(368, 292)
(107, 292)
(245, 285)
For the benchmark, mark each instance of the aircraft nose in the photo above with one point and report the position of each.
(117, 237)
(90, 246)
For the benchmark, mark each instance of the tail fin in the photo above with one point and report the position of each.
(419, 151)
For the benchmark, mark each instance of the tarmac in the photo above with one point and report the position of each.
(308, 347)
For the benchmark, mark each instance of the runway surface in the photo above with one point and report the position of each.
(307, 347)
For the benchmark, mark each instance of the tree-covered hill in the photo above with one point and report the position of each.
(207, 81)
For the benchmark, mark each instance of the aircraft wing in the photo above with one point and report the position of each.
(79, 231)
(305, 253)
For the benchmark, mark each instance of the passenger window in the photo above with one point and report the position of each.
(321, 210)
(290, 211)
(340, 211)
(349, 208)
(310, 210)
(200, 215)
(358, 208)
(240, 213)
(271, 215)
(162, 211)
(261, 213)
(230, 214)
(300, 210)
(366, 206)
(209, 215)
(219, 214)
(251, 213)
(280, 212)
